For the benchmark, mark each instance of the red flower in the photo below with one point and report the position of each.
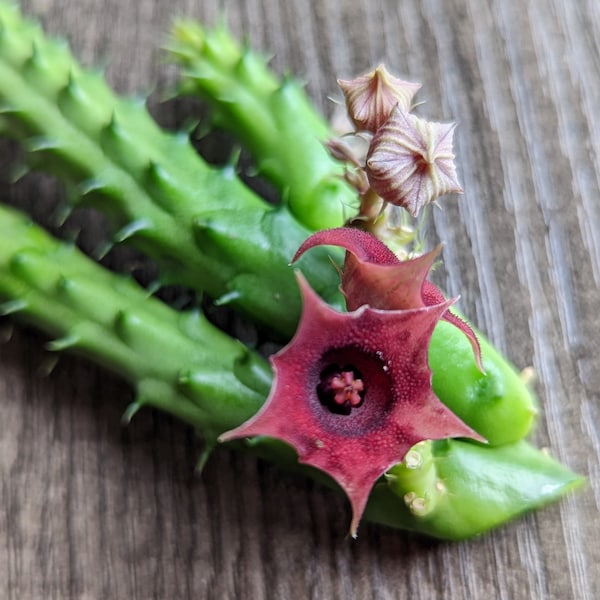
(352, 392)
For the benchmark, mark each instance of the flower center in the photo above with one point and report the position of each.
(341, 389)
(423, 165)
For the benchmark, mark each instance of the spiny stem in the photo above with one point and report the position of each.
(203, 227)
(177, 362)
(273, 118)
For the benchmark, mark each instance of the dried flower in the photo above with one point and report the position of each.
(370, 98)
(352, 392)
(410, 161)
(373, 275)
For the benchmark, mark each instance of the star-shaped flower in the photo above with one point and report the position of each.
(352, 392)
(410, 161)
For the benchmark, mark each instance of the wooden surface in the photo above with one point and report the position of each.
(91, 510)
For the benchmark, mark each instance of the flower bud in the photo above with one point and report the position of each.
(370, 98)
(410, 161)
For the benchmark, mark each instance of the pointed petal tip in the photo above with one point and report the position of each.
(461, 324)
(362, 244)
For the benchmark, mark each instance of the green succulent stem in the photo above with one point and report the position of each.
(203, 227)
(272, 117)
(468, 488)
(176, 361)
(416, 481)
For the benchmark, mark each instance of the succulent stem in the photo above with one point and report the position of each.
(273, 118)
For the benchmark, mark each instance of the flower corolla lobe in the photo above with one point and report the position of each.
(373, 275)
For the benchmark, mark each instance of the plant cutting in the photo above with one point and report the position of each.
(382, 373)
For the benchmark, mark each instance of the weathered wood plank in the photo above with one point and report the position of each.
(88, 510)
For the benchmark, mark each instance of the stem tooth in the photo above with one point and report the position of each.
(7, 109)
(129, 230)
(228, 298)
(48, 365)
(130, 412)
(253, 372)
(35, 59)
(12, 307)
(41, 144)
(20, 265)
(153, 287)
(71, 340)
(90, 186)
(103, 249)
(66, 287)
(62, 213)
(6, 332)
(419, 507)
(127, 325)
(204, 456)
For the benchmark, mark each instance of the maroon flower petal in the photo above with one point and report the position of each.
(373, 275)
(381, 358)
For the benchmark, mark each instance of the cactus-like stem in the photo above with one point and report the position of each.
(467, 486)
(273, 118)
(202, 225)
(416, 481)
(178, 362)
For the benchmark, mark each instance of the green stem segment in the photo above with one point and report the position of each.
(461, 488)
(273, 118)
(176, 361)
(180, 363)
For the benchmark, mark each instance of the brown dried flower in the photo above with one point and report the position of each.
(370, 98)
(410, 161)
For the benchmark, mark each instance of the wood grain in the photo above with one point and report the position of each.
(89, 510)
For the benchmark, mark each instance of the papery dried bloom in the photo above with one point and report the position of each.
(352, 393)
(373, 275)
(370, 98)
(411, 162)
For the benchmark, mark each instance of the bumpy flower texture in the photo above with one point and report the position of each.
(352, 391)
